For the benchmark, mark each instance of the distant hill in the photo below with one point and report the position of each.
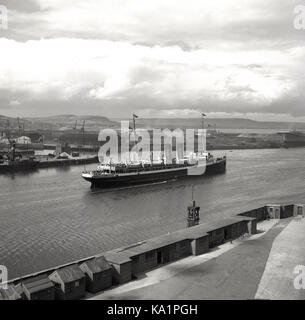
(60, 122)
(12, 123)
(68, 122)
(221, 123)
(95, 123)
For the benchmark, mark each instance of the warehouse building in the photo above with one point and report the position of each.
(276, 211)
(140, 257)
(161, 250)
(70, 282)
(98, 274)
(259, 214)
(299, 210)
(229, 229)
(10, 293)
(121, 266)
(38, 288)
(132, 260)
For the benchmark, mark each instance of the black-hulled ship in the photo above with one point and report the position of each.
(119, 175)
(18, 165)
(109, 175)
(12, 161)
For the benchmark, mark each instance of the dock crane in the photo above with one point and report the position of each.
(19, 127)
(82, 130)
(75, 126)
(12, 143)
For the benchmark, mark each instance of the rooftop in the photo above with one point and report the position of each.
(38, 285)
(70, 273)
(9, 294)
(98, 264)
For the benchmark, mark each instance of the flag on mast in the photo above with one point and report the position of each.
(135, 116)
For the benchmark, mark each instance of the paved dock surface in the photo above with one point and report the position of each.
(232, 271)
(288, 251)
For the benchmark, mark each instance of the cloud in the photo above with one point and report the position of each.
(64, 69)
(220, 56)
(28, 6)
(190, 24)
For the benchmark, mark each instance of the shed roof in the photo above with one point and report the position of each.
(194, 232)
(38, 285)
(123, 254)
(245, 218)
(70, 273)
(98, 264)
(166, 240)
(117, 257)
(34, 278)
(221, 224)
(9, 294)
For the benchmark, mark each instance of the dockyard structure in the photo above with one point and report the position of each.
(277, 211)
(299, 210)
(229, 229)
(158, 251)
(88, 138)
(121, 264)
(260, 214)
(124, 264)
(200, 241)
(287, 211)
(98, 274)
(70, 282)
(137, 258)
(10, 293)
(140, 257)
(248, 224)
(38, 288)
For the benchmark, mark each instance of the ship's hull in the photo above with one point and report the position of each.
(151, 177)
(18, 166)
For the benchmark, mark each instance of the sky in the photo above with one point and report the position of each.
(161, 58)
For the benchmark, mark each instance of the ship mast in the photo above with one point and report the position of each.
(134, 117)
(11, 152)
(19, 127)
(202, 120)
(203, 115)
(83, 133)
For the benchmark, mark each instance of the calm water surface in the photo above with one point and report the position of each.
(51, 217)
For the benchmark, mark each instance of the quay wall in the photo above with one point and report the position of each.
(128, 262)
(66, 162)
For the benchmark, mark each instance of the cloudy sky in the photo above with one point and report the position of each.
(240, 58)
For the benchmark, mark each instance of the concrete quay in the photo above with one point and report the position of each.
(225, 259)
(287, 252)
(256, 267)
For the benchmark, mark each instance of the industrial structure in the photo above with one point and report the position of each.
(124, 264)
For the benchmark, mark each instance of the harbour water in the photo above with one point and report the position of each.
(50, 216)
